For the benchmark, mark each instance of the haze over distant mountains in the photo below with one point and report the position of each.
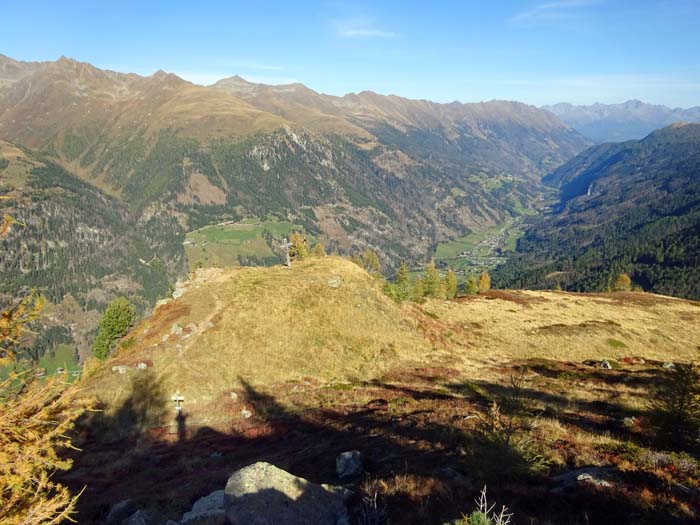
(631, 120)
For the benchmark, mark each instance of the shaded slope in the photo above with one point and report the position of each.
(630, 207)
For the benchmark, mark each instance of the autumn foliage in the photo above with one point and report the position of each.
(36, 417)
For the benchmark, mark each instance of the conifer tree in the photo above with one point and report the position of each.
(484, 282)
(471, 287)
(116, 321)
(451, 284)
(432, 280)
(676, 407)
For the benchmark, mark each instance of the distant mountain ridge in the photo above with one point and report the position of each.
(631, 120)
(630, 207)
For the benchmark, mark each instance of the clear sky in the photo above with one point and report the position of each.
(539, 51)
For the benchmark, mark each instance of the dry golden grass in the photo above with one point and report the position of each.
(325, 319)
(572, 327)
(328, 320)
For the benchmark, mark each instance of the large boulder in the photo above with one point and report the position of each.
(262, 494)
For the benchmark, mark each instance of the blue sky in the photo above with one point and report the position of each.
(540, 52)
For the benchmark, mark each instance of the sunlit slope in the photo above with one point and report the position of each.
(327, 320)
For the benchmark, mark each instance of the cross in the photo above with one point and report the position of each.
(285, 246)
(178, 399)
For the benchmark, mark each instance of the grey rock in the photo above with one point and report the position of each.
(246, 414)
(348, 464)
(457, 477)
(120, 511)
(668, 366)
(606, 365)
(176, 329)
(178, 293)
(122, 369)
(141, 517)
(208, 510)
(598, 476)
(262, 494)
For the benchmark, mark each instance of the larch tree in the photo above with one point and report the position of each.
(403, 282)
(298, 250)
(623, 283)
(484, 282)
(36, 416)
(370, 261)
(319, 250)
(471, 287)
(451, 285)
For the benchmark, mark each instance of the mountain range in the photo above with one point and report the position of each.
(620, 122)
(630, 207)
(124, 165)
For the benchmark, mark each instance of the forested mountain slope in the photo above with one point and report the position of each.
(75, 244)
(632, 207)
(347, 166)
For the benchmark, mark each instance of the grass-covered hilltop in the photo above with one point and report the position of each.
(545, 397)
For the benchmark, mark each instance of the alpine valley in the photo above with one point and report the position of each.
(108, 171)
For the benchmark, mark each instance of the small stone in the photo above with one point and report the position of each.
(348, 464)
(176, 329)
(246, 414)
(122, 369)
(141, 517)
(668, 366)
(178, 293)
(605, 365)
(142, 366)
(335, 282)
(589, 478)
(234, 396)
(629, 422)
